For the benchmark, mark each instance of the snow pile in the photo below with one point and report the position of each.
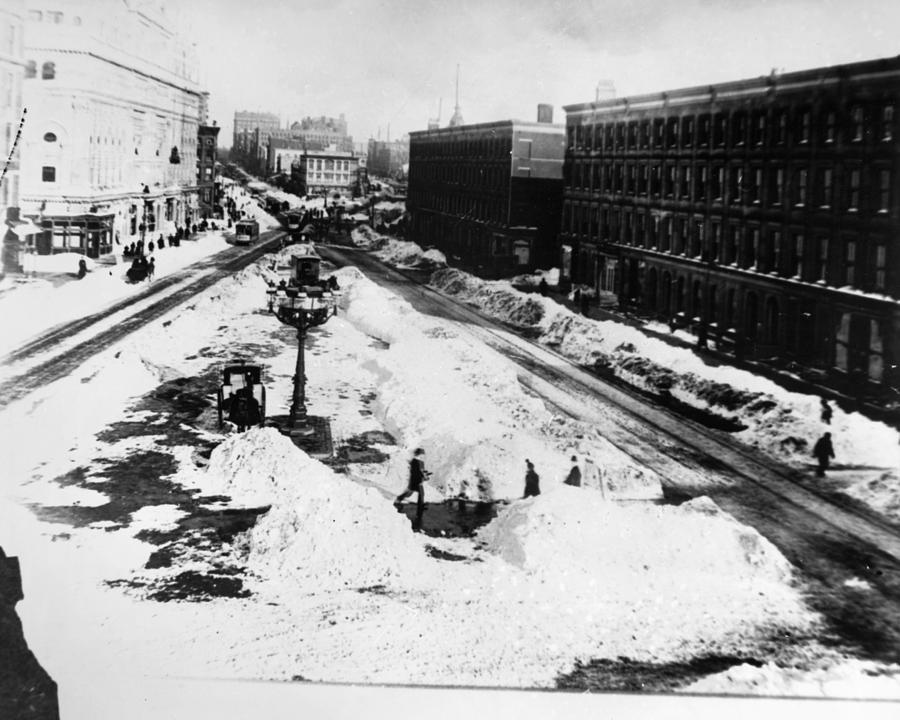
(469, 411)
(850, 679)
(65, 262)
(694, 545)
(397, 252)
(551, 276)
(782, 423)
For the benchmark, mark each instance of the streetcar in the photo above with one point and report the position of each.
(246, 232)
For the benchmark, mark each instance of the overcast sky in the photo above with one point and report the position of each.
(389, 62)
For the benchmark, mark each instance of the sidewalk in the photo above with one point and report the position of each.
(789, 380)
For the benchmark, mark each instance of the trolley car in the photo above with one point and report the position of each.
(246, 232)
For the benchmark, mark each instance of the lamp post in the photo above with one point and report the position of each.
(301, 308)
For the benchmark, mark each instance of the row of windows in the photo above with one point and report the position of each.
(860, 123)
(495, 146)
(48, 70)
(51, 16)
(765, 250)
(490, 176)
(489, 210)
(845, 187)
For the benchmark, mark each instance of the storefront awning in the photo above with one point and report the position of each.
(25, 228)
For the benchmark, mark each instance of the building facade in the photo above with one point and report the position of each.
(388, 159)
(109, 151)
(488, 195)
(761, 213)
(281, 154)
(208, 187)
(322, 172)
(12, 119)
(321, 133)
(251, 135)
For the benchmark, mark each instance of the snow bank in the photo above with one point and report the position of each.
(323, 531)
(851, 679)
(782, 423)
(469, 410)
(694, 544)
(397, 252)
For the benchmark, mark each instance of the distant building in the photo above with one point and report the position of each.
(323, 172)
(206, 169)
(251, 138)
(388, 158)
(763, 214)
(13, 231)
(488, 195)
(281, 153)
(322, 132)
(109, 152)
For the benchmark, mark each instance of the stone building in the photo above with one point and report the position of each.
(761, 213)
(488, 195)
(109, 152)
(207, 149)
(387, 158)
(323, 132)
(325, 172)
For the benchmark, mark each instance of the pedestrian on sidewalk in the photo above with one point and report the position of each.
(417, 476)
(151, 269)
(532, 480)
(574, 476)
(823, 451)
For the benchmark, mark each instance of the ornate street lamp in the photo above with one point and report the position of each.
(302, 308)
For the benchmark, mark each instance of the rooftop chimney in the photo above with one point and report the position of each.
(545, 113)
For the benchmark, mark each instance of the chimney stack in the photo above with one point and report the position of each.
(545, 113)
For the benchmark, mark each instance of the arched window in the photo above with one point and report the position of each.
(49, 137)
(48, 71)
(30, 69)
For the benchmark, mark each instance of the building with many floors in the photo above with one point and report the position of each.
(388, 158)
(281, 154)
(325, 172)
(110, 147)
(13, 231)
(323, 132)
(488, 195)
(762, 213)
(208, 188)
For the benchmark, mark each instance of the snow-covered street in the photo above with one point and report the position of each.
(118, 476)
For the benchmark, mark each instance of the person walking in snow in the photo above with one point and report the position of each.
(532, 480)
(823, 451)
(574, 476)
(826, 412)
(151, 269)
(417, 475)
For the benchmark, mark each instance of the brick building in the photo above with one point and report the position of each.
(207, 144)
(488, 195)
(762, 213)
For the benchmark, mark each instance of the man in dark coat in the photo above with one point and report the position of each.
(574, 476)
(823, 451)
(827, 412)
(244, 410)
(417, 475)
(532, 480)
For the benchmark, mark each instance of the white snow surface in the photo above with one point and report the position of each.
(342, 591)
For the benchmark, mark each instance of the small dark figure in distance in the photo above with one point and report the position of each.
(827, 412)
(543, 287)
(574, 476)
(532, 480)
(82, 268)
(823, 451)
(162, 242)
(417, 475)
(150, 247)
(151, 269)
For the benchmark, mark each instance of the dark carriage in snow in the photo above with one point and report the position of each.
(242, 396)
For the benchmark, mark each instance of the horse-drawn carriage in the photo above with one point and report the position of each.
(242, 396)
